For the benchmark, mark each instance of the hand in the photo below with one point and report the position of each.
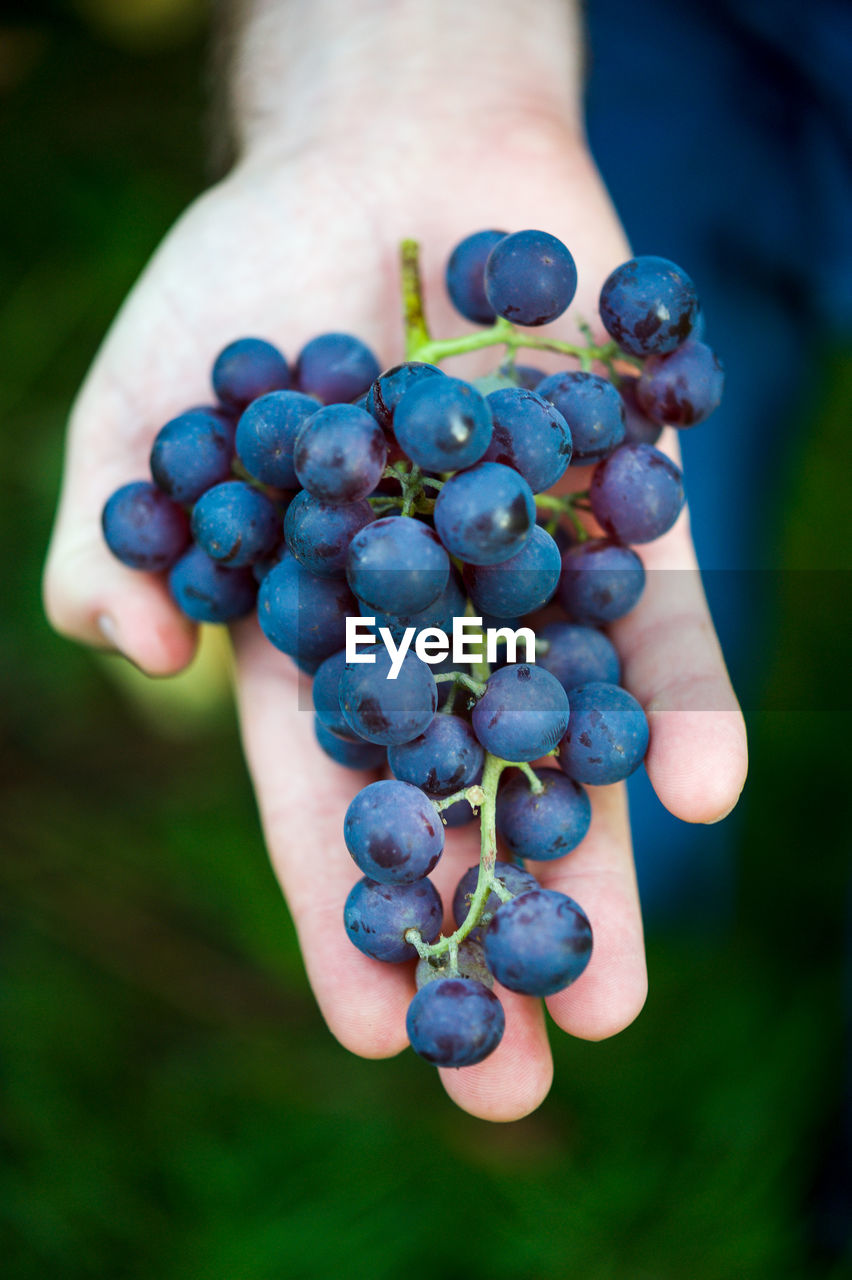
(285, 249)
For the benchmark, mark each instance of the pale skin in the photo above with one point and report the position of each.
(299, 238)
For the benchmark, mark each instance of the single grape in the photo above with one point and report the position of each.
(638, 429)
(340, 453)
(246, 369)
(607, 738)
(576, 655)
(236, 524)
(352, 753)
(389, 388)
(442, 760)
(465, 277)
(378, 916)
(336, 368)
(485, 515)
(384, 710)
(470, 959)
(455, 1022)
(545, 826)
(397, 564)
(593, 410)
(539, 943)
(191, 453)
(530, 277)
(648, 305)
(525, 376)
(512, 877)
(208, 591)
(443, 424)
(637, 493)
(601, 581)
(325, 692)
(519, 585)
(531, 435)
(319, 533)
(143, 528)
(266, 436)
(301, 614)
(522, 714)
(440, 613)
(393, 832)
(683, 388)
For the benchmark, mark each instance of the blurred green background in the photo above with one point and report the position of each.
(172, 1105)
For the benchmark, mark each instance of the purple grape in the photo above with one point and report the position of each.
(683, 388)
(485, 515)
(389, 388)
(648, 305)
(539, 943)
(545, 826)
(637, 493)
(514, 878)
(465, 276)
(593, 410)
(191, 453)
(442, 760)
(530, 277)
(578, 654)
(607, 738)
(378, 916)
(397, 564)
(522, 714)
(440, 613)
(340, 454)
(246, 369)
(393, 832)
(519, 585)
(383, 710)
(325, 692)
(336, 368)
(601, 581)
(637, 428)
(301, 614)
(531, 435)
(455, 1022)
(236, 524)
(319, 533)
(143, 528)
(266, 436)
(443, 424)
(352, 753)
(207, 591)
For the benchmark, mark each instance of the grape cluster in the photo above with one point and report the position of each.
(330, 490)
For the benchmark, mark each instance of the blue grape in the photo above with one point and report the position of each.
(637, 493)
(383, 710)
(143, 528)
(514, 878)
(593, 410)
(246, 369)
(340, 453)
(207, 591)
(336, 368)
(607, 738)
(576, 655)
(485, 515)
(266, 436)
(459, 814)
(530, 277)
(531, 435)
(522, 714)
(325, 692)
(455, 1022)
(440, 613)
(191, 453)
(648, 305)
(465, 277)
(525, 376)
(378, 916)
(443, 424)
(638, 429)
(545, 826)
(519, 585)
(397, 564)
(601, 581)
(442, 760)
(236, 524)
(301, 614)
(393, 832)
(352, 753)
(319, 533)
(683, 388)
(389, 388)
(539, 943)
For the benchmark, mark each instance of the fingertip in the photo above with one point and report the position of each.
(697, 762)
(515, 1079)
(605, 1001)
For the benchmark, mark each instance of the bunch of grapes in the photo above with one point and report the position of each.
(410, 499)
